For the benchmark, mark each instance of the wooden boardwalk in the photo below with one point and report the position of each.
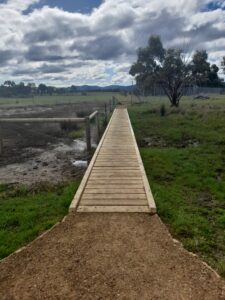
(115, 180)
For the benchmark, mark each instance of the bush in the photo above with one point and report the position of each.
(67, 126)
(83, 113)
(162, 110)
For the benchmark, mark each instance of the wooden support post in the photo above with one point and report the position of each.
(98, 127)
(1, 140)
(88, 133)
(114, 102)
(106, 117)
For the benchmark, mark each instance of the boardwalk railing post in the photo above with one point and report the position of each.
(114, 102)
(88, 134)
(98, 127)
(106, 117)
(1, 140)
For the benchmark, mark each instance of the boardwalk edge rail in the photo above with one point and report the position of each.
(150, 198)
(77, 197)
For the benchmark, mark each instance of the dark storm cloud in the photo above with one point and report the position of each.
(204, 33)
(164, 24)
(51, 69)
(46, 53)
(101, 48)
(5, 56)
(51, 32)
(24, 71)
(46, 68)
(41, 53)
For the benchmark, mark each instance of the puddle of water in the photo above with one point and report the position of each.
(76, 146)
(79, 145)
(80, 163)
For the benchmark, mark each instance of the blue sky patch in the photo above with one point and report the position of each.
(212, 6)
(82, 6)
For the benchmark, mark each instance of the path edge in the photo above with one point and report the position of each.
(75, 202)
(148, 192)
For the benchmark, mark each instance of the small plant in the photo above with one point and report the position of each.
(162, 110)
(67, 126)
(76, 134)
(83, 113)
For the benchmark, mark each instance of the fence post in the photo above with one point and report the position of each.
(115, 102)
(88, 133)
(98, 126)
(106, 117)
(1, 140)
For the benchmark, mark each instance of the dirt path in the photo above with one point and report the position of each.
(108, 256)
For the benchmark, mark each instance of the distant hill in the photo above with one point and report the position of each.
(95, 88)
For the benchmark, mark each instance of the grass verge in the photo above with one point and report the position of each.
(27, 212)
(184, 157)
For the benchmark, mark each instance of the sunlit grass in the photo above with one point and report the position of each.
(27, 212)
(186, 170)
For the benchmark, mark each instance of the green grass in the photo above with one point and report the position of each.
(187, 179)
(63, 99)
(76, 134)
(27, 212)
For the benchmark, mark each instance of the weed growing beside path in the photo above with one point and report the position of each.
(184, 156)
(27, 212)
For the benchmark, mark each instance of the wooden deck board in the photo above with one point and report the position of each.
(115, 180)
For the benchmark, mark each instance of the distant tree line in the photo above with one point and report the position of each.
(173, 70)
(11, 89)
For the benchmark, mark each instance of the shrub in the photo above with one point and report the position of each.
(162, 110)
(66, 126)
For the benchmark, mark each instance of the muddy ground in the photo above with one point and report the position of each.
(42, 152)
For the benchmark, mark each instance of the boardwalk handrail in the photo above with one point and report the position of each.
(92, 116)
(42, 120)
(77, 197)
(85, 120)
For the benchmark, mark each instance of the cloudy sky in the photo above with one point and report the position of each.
(64, 42)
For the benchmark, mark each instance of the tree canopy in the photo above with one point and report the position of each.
(167, 67)
(171, 69)
(223, 64)
(204, 74)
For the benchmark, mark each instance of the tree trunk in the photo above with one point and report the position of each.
(175, 100)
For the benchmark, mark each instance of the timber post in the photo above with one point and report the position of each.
(88, 133)
(1, 140)
(106, 117)
(98, 127)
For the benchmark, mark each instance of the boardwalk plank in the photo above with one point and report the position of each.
(129, 208)
(114, 196)
(115, 180)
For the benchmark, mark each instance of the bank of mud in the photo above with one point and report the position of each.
(43, 152)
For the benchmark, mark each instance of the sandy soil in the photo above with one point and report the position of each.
(108, 256)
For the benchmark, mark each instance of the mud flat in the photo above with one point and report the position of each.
(42, 152)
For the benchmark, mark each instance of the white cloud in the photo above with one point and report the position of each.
(54, 45)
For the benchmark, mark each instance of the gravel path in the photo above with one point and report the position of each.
(108, 256)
